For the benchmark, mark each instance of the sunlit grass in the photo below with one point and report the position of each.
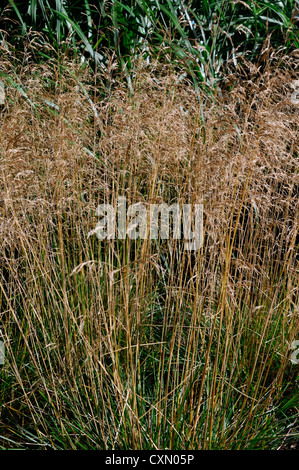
(140, 344)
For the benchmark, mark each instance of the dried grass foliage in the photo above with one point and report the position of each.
(66, 297)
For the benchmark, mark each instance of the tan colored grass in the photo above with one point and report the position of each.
(143, 344)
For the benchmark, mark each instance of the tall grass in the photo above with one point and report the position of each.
(127, 344)
(201, 35)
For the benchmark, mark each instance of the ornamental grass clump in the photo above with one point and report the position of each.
(141, 344)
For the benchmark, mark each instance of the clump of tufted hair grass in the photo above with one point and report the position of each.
(139, 344)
